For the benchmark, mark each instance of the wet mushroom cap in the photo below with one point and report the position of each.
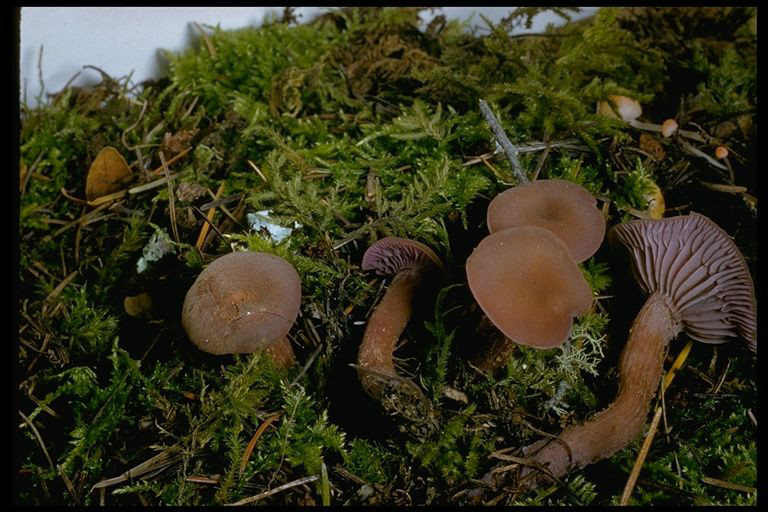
(242, 302)
(699, 271)
(528, 284)
(390, 255)
(561, 206)
(627, 108)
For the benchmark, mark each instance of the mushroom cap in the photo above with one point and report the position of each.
(390, 255)
(695, 265)
(528, 284)
(668, 127)
(628, 109)
(563, 207)
(242, 302)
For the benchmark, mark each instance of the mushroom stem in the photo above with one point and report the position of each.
(653, 127)
(384, 328)
(282, 353)
(640, 370)
(494, 354)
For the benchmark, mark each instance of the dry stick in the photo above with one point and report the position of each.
(635, 473)
(171, 202)
(295, 483)
(728, 485)
(39, 438)
(209, 220)
(503, 140)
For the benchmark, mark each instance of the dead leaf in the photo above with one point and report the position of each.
(109, 172)
(650, 145)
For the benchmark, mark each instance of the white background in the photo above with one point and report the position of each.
(121, 40)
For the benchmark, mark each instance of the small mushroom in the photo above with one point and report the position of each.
(668, 128)
(626, 108)
(563, 207)
(721, 152)
(409, 261)
(529, 286)
(697, 281)
(244, 302)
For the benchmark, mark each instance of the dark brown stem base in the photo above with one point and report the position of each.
(383, 331)
(640, 371)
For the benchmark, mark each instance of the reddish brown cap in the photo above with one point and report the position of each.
(242, 302)
(390, 255)
(563, 207)
(695, 265)
(528, 284)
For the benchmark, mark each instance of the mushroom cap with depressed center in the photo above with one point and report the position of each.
(241, 303)
(699, 271)
(528, 284)
(563, 207)
(390, 255)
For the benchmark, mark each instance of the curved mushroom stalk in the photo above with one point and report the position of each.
(409, 261)
(698, 283)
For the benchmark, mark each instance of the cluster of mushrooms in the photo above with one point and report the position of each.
(694, 276)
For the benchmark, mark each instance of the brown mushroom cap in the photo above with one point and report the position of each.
(563, 207)
(390, 255)
(695, 265)
(528, 284)
(242, 302)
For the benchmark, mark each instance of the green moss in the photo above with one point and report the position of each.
(357, 125)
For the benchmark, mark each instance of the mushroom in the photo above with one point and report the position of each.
(721, 152)
(668, 128)
(563, 207)
(244, 302)
(409, 261)
(696, 281)
(528, 284)
(626, 108)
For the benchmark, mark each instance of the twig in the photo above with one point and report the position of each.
(324, 484)
(721, 187)
(171, 201)
(208, 221)
(206, 40)
(308, 364)
(39, 437)
(668, 378)
(284, 487)
(728, 485)
(629, 487)
(752, 416)
(503, 140)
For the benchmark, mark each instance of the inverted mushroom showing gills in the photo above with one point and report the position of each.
(529, 286)
(409, 261)
(697, 281)
(561, 206)
(244, 302)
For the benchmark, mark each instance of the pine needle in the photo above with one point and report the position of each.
(256, 436)
(643, 453)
